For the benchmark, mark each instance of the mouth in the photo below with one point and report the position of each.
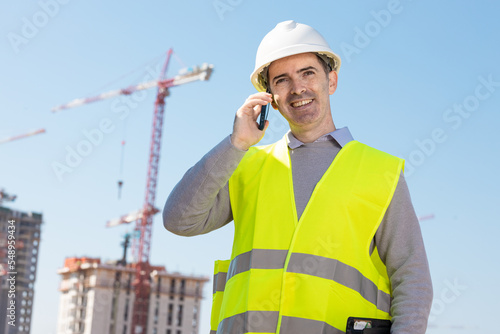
(300, 103)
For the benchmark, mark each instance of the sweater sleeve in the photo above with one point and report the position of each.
(199, 203)
(401, 248)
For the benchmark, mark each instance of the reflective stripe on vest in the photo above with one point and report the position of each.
(310, 265)
(220, 273)
(287, 275)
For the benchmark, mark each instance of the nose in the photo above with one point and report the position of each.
(298, 87)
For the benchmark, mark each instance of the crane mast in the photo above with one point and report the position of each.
(144, 225)
(144, 217)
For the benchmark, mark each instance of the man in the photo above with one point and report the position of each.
(324, 225)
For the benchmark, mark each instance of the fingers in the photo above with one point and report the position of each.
(254, 103)
(246, 132)
(266, 125)
(260, 98)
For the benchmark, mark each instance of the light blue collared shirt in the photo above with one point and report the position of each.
(342, 136)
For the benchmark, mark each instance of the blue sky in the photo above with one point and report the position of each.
(419, 79)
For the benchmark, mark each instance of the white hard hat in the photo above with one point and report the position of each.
(286, 39)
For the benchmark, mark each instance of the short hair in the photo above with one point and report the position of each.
(325, 62)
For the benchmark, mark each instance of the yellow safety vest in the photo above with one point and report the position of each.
(293, 276)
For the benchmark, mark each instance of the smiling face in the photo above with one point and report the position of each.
(301, 91)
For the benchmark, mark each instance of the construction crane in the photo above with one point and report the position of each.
(5, 197)
(144, 217)
(426, 217)
(9, 139)
(117, 284)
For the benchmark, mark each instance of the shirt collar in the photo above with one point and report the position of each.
(342, 136)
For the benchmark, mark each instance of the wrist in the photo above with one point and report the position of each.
(238, 144)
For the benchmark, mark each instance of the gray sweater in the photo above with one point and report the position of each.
(199, 203)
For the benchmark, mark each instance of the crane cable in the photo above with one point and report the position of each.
(122, 158)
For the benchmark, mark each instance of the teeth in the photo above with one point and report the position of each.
(301, 103)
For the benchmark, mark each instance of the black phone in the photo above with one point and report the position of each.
(263, 115)
(368, 326)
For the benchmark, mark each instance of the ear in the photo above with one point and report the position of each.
(274, 105)
(332, 82)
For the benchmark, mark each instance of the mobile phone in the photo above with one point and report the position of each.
(263, 114)
(368, 326)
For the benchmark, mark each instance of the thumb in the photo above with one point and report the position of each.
(266, 125)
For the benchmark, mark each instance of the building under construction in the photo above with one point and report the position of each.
(19, 244)
(98, 298)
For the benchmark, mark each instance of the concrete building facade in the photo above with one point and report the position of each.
(98, 298)
(19, 245)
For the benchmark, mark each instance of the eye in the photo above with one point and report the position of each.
(310, 72)
(280, 81)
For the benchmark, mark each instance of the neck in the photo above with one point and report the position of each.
(311, 135)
